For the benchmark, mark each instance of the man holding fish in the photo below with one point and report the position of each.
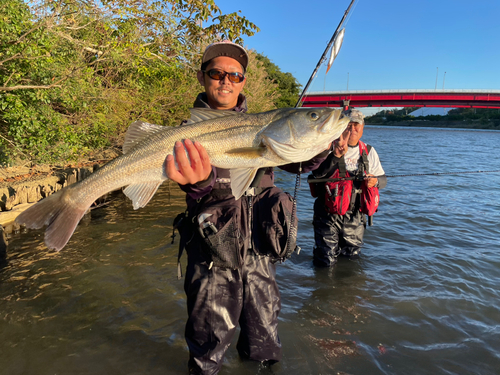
(230, 279)
(237, 222)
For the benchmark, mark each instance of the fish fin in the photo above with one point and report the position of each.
(61, 215)
(141, 193)
(237, 136)
(203, 114)
(137, 131)
(248, 151)
(241, 179)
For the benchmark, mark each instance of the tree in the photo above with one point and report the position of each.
(288, 89)
(75, 73)
(260, 91)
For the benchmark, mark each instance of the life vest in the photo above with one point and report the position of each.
(340, 196)
(370, 197)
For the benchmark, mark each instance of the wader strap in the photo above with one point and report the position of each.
(185, 218)
(364, 158)
(342, 167)
(364, 150)
(354, 196)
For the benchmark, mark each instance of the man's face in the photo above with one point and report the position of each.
(356, 130)
(222, 94)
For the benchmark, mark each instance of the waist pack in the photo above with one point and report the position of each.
(369, 199)
(219, 225)
(213, 231)
(224, 229)
(272, 212)
(369, 196)
(338, 194)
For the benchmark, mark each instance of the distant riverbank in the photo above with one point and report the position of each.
(489, 125)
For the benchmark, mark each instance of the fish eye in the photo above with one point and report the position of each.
(314, 116)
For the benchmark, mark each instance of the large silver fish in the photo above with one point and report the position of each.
(240, 142)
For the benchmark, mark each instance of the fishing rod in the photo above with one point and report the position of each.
(319, 180)
(323, 57)
(292, 230)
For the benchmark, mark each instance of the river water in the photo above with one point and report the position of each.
(423, 299)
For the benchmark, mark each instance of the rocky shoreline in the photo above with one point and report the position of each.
(23, 186)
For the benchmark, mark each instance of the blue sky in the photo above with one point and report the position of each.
(388, 44)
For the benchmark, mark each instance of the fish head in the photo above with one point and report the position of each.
(299, 134)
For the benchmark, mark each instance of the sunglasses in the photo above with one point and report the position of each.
(354, 125)
(219, 75)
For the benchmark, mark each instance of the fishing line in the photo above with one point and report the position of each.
(355, 4)
(343, 22)
(325, 53)
(440, 173)
(292, 231)
(318, 180)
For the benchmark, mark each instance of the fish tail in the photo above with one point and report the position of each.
(59, 212)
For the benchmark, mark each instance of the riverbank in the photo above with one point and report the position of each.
(490, 125)
(23, 186)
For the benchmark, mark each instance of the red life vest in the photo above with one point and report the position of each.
(338, 194)
(370, 197)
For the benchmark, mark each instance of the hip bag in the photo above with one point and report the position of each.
(338, 194)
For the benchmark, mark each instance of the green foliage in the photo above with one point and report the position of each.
(25, 60)
(260, 91)
(480, 118)
(288, 89)
(74, 75)
(475, 114)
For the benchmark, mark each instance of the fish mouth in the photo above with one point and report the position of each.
(336, 122)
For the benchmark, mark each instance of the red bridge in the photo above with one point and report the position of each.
(405, 98)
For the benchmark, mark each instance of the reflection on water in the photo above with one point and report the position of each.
(424, 298)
